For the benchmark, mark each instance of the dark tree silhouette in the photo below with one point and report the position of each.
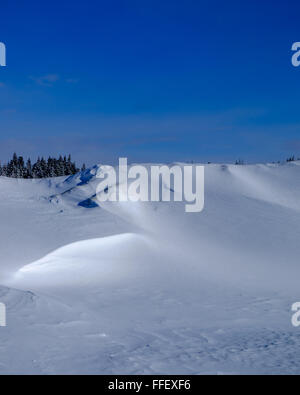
(16, 168)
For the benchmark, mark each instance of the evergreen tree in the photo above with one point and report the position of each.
(16, 168)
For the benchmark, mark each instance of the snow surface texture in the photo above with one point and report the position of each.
(145, 288)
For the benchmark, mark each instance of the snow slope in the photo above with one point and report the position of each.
(133, 288)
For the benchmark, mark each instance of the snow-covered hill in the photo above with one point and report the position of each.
(128, 288)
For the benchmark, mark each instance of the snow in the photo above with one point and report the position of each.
(145, 288)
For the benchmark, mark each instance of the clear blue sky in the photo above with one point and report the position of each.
(150, 80)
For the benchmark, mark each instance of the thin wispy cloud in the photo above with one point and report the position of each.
(211, 136)
(72, 80)
(46, 80)
(8, 111)
(51, 79)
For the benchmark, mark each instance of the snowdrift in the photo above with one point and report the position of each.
(95, 261)
(147, 287)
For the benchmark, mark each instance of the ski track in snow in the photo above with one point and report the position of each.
(145, 288)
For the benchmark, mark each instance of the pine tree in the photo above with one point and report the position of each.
(16, 168)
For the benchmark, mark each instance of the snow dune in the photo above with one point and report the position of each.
(95, 261)
(145, 287)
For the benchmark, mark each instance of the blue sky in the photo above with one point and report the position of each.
(150, 80)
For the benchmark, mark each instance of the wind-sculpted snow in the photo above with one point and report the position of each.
(134, 288)
(91, 262)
